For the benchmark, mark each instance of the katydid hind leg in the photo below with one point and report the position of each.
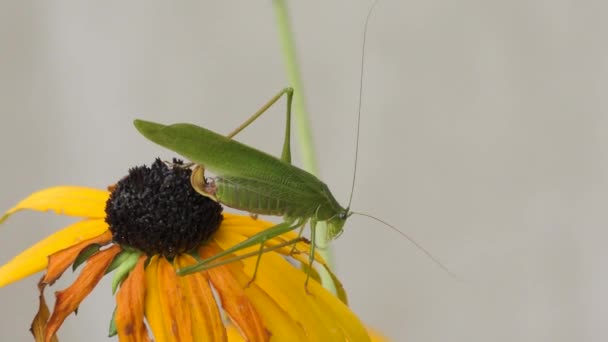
(286, 154)
(258, 238)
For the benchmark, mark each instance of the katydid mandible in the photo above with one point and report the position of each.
(251, 180)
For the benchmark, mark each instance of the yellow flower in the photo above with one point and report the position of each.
(153, 223)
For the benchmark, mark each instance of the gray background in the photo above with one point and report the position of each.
(483, 136)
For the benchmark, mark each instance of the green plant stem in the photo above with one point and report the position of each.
(302, 122)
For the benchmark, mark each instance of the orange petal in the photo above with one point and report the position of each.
(35, 258)
(167, 315)
(69, 299)
(207, 324)
(234, 301)
(60, 261)
(65, 200)
(130, 306)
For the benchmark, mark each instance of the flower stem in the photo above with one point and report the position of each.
(302, 123)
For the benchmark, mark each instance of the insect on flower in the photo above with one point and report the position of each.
(149, 225)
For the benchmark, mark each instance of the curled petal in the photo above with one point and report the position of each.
(35, 258)
(65, 200)
(130, 306)
(207, 324)
(69, 299)
(165, 310)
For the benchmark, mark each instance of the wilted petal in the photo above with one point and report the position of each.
(41, 319)
(69, 299)
(35, 258)
(130, 306)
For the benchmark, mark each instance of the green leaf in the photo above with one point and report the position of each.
(122, 271)
(113, 331)
(84, 255)
(118, 259)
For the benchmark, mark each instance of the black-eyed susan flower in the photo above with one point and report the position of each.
(152, 223)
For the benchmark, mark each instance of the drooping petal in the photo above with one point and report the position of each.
(207, 324)
(69, 299)
(65, 200)
(165, 310)
(278, 322)
(235, 302)
(130, 306)
(35, 258)
(60, 261)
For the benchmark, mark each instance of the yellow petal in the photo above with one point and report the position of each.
(165, 310)
(35, 258)
(153, 308)
(65, 200)
(234, 335)
(207, 324)
(319, 309)
(376, 336)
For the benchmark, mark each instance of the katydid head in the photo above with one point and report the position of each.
(335, 225)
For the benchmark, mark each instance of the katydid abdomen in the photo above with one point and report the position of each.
(239, 194)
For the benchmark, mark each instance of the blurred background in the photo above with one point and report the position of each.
(483, 136)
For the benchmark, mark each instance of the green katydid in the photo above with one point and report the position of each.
(254, 181)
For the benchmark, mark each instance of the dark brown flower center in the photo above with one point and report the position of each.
(155, 210)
